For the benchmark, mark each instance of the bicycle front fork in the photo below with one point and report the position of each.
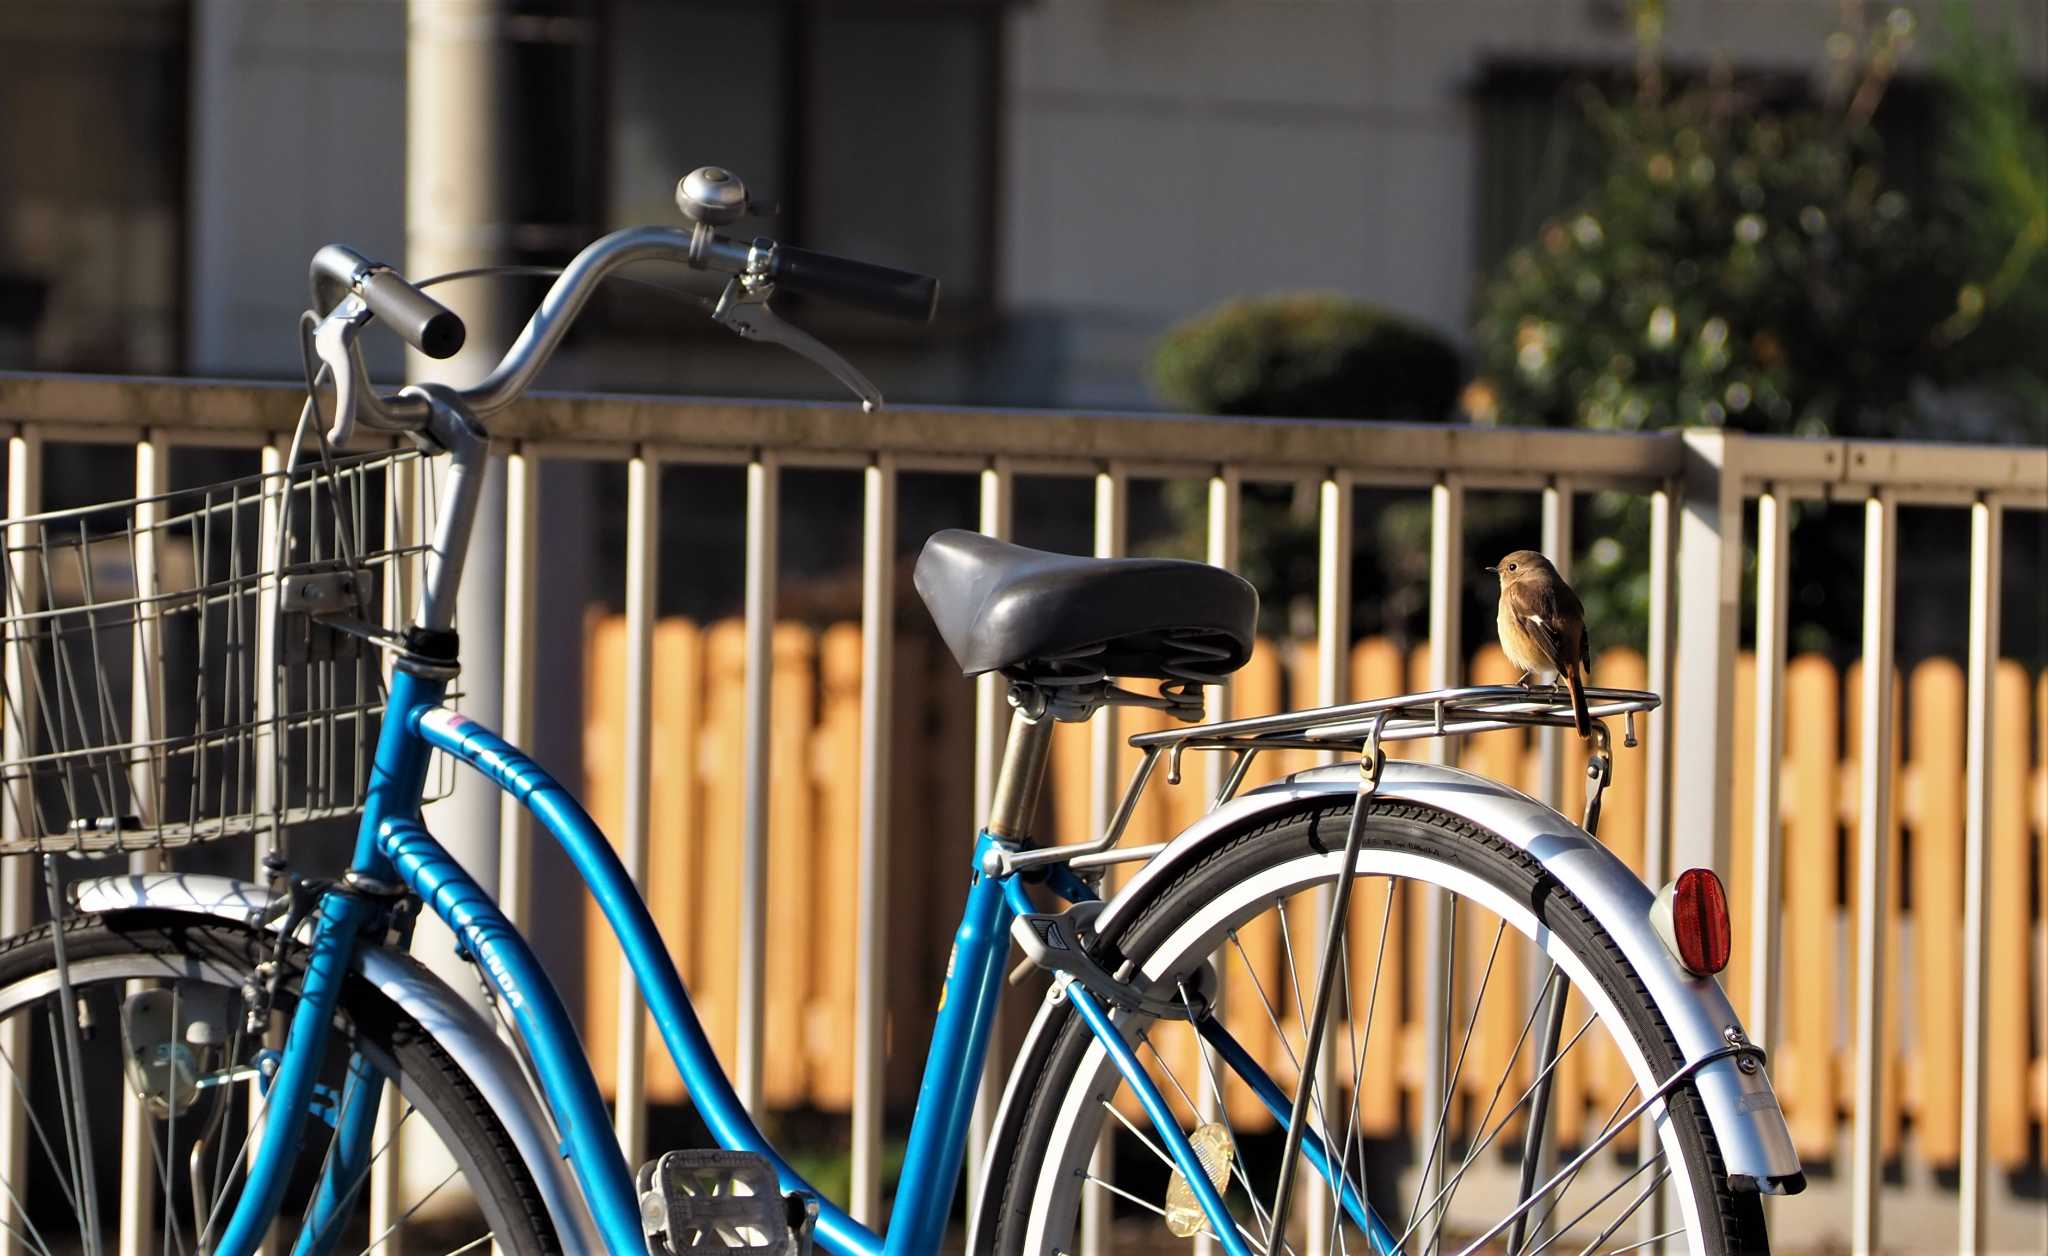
(343, 918)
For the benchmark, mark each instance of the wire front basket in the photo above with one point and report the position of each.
(204, 663)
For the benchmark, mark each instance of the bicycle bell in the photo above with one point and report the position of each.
(711, 195)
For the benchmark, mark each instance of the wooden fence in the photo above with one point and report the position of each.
(695, 854)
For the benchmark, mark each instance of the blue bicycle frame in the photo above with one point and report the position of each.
(394, 849)
(396, 859)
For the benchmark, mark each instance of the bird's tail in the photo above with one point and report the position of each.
(1581, 720)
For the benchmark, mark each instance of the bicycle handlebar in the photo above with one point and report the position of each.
(425, 323)
(339, 271)
(896, 293)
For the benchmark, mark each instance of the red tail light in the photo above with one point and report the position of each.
(1692, 917)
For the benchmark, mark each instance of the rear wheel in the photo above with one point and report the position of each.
(171, 985)
(1437, 905)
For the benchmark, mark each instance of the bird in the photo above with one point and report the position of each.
(1543, 626)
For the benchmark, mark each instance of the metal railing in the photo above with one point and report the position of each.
(1698, 484)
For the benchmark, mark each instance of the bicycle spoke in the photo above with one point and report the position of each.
(65, 1121)
(1506, 1117)
(1507, 1071)
(406, 1216)
(1358, 1050)
(1216, 1091)
(1315, 1095)
(241, 1153)
(363, 1174)
(1655, 1238)
(1145, 1040)
(1590, 1209)
(1536, 1229)
(222, 1114)
(1156, 1150)
(26, 1238)
(163, 1158)
(1450, 1085)
(1315, 1090)
(1319, 1066)
(1140, 1135)
(1642, 1197)
(35, 1123)
(160, 1157)
(1159, 1212)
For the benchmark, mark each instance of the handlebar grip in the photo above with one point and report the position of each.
(426, 324)
(896, 293)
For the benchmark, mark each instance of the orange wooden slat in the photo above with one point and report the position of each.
(2006, 1050)
(1804, 1067)
(792, 839)
(604, 783)
(2037, 791)
(835, 767)
(1934, 811)
(673, 833)
(720, 759)
(1375, 1028)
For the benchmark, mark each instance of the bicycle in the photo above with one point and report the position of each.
(263, 1027)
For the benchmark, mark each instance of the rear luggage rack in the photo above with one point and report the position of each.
(1359, 728)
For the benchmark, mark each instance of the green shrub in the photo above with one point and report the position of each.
(1306, 355)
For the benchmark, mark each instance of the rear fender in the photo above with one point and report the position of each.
(1742, 1108)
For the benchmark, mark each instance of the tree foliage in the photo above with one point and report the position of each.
(1306, 355)
(1759, 268)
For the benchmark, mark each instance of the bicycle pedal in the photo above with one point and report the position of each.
(721, 1201)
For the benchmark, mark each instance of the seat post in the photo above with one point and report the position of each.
(1021, 777)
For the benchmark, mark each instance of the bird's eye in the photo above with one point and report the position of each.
(1511, 566)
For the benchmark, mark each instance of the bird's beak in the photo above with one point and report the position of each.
(1493, 569)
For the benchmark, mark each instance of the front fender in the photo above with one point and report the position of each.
(1755, 1143)
(459, 1029)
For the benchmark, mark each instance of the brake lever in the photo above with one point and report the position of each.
(743, 306)
(334, 341)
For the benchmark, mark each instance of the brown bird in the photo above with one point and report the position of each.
(1543, 626)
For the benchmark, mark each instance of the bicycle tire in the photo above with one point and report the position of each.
(186, 948)
(1730, 1221)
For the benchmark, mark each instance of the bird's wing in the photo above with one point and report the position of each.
(1537, 613)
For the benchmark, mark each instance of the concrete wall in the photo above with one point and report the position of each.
(1158, 156)
(298, 139)
(1163, 155)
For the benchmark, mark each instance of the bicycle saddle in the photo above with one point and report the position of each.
(1033, 615)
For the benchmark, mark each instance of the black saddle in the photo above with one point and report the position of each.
(1037, 616)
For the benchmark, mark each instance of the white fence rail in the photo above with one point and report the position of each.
(1698, 484)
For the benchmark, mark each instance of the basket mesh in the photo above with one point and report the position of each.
(200, 664)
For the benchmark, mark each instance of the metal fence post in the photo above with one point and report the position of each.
(17, 875)
(643, 578)
(763, 513)
(1703, 701)
(1446, 648)
(1773, 544)
(1873, 871)
(871, 994)
(1986, 526)
(1558, 547)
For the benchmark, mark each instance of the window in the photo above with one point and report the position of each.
(870, 125)
(92, 143)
